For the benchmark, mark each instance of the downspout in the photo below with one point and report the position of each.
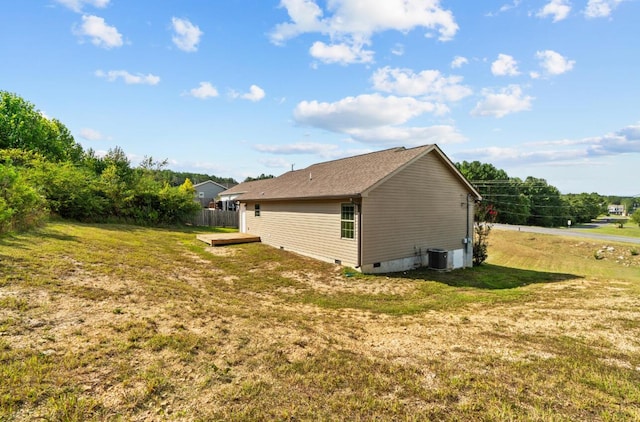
(468, 238)
(359, 204)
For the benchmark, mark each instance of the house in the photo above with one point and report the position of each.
(229, 197)
(380, 212)
(206, 192)
(615, 209)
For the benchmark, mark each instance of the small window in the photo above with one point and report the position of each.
(257, 210)
(347, 221)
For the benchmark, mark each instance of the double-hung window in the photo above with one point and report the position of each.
(347, 221)
(257, 210)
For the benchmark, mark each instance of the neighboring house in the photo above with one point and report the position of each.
(229, 198)
(616, 209)
(385, 211)
(206, 192)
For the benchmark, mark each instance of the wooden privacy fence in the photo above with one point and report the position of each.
(216, 218)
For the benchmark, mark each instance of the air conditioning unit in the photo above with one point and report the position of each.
(438, 259)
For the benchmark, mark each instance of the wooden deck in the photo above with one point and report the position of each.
(219, 239)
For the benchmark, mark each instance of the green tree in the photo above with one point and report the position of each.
(503, 193)
(635, 217)
(94, 163)
(21, 207)
(116, 190)
(71, 191)
(176, 203)
(547, 207)
(261, 177)
(584, 207)
(23, 126)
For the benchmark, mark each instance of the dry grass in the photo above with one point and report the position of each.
(117, 322)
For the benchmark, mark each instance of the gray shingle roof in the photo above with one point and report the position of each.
(346, 177)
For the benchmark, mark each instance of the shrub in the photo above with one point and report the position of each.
(21, 207)
(484, 218)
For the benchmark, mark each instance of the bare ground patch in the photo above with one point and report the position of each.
(336, 282)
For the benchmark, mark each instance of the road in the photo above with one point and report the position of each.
(569, 232)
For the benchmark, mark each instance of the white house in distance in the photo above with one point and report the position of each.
(385, 211)
(206, 192)
(616, 209)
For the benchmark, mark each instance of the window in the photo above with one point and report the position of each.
(257, 210)
(347, 221)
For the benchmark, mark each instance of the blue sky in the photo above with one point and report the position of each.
(236, 88)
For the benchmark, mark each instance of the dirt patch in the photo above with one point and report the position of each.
(338, 283)
(221, 251)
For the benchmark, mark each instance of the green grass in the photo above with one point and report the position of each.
(102, 322)
(629, 229)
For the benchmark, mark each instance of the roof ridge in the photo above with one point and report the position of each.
(347, 176)
(357, 156)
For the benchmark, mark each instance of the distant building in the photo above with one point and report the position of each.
(206, 192)
(615, 209)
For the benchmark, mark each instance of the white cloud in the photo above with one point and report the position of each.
(275, 162)
(91, 134)
(505, 8)
(101, 34)
(624, 141)
(600, 8)
(325, 151)
(510, 6)
(506, 101)
(398, 50)
(362, 112)
(559, 9)
(204, 91)
(352, 23)
(554, 63)
(187, 35)
(305, 17)
(255, 94)
(515, 156)
(505, 65)
(374, 119)
(77, 5)
(340, 53)
(408, 136)
(298, 148)
(128, 78)
(458, 61)
(430, 84)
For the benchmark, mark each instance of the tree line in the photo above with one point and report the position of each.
(532, 201)
(44, 172)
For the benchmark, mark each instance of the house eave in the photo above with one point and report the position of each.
(347, 197)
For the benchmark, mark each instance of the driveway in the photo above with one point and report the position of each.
(568, 232)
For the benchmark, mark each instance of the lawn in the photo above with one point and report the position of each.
(127, 323)
(629, 228)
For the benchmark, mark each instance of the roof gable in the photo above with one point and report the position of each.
(346, 177)
(207, 182)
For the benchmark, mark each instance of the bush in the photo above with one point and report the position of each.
(21, 207)
(71, 191)
(485, 216)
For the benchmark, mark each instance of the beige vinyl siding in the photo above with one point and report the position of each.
(308, 228)
(421, 207)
